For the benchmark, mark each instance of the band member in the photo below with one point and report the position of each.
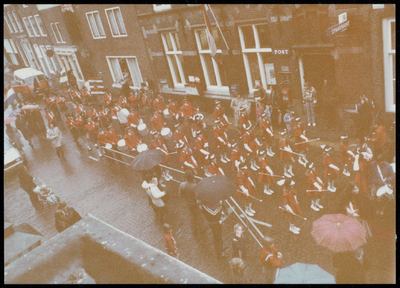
(236, 157)
(61, 101)
(104, 117)
(133, 118)
(202, 152)
(158, 104)
(346, 155)
(220, 141)
(123, 103)
(252, 146)
(86, 95)
(158, 143)
(267, 133)
(266, 175)
(76, 97)
(315, 187)
(173, 108)
(102, 137)
(270, 258)
(286, 155)
(92, 129)
(131, 140)
(186, 157)
(245, 188)
(114, 111)
(93, 114)
(198, 124)
(187, 110)
(219, 113)
(298, 132)
(133, 100)
(80, 110)
(80, 128)
(69, 120)
(331, 171)
(244, 121)
(214, 168)
(361, 167)
(291, 204)
(112, 137)
(157, 122)
(180, 134)
(379, 139)
(50, 117)
(108, 99)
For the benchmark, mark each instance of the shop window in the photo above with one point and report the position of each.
(40, 25)
(95, 24)
(120, 66)
(389, 49)
(173, 52)
(116, 22)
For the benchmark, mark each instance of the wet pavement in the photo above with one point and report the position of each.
(112, 192)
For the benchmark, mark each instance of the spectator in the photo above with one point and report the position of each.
(150, 185)
(271, 259)
(186, 189)
(237, 270)
(259, 112)
(54, 134)
(239, 243)
(364, 119)
(234, 106)
(14, 137)
(169, 241)
(309, 100)
(260, 95)
(380, 138)
(27, 184)
(351, 267)
(22, 126)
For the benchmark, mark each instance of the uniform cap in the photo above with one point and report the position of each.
(243, 167)
(217, 101)
(297, 119)
(284, 132)
(217, 121)
(212, 157)
(327, 148)
(344, 137)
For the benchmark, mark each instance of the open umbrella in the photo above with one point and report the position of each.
(338, 232)
(300, 273)
(9, 120)
(9, 96)
(147, 160)
(211, 190)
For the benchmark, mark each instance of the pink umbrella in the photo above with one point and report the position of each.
(9, 120)
(338, 232)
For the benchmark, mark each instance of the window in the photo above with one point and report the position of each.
(8, 24)
(116, 22)
(25, 6)
(54, 60)
(214, 72)
(161, 7)
(11, 50)
(389, 50)
(254, 40)
(173, 51)
(57, 32)
(119, 65)
(28, 26)
(34, 26)
(47, 59)
(12, 21)
(30, 55)
(95, 25)
(22, 53)
(16, 17)
(40, 25)
(41, 60)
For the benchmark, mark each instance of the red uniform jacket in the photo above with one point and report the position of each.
(78, 122)
(243, 179)
(244, 120)
(102, 138)
(114, 111)
(186, 156)
(159, 143)
(299, 137)
(170, 245)
(133, 100)
(112, 137)
(248, 139)
(76, 96)
(49, 116)
(79, 109)
(219, 132)
(380, 138)
(200, 144)
(50, 101)
(269, 258)
(288, 198)
(61, 101)
(131, 140)
(93, 114)
(157, 122)
(180, 135)
(264, 125)
(214, 168)
(328, 171)
(70, 123)
(92, 127)
(219, 113)
(345, 157)
(311, 178)
(285, 156)
(198, 126)
(107, 98)
(133, 118)
(263, 169)
(158, 104)
(187, 110)
(235, 156)
(173, 108)
(122, 101)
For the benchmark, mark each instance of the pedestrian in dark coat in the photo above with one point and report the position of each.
(22, 126)
(364, 119)
(239, 242)
(27, 184)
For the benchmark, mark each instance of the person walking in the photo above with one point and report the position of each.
(155, 194)
(14, 137)
(213, 217)
(237, 271)
(364, 119)
(309, 100)
(54, 134)
(22, 125)
(169, 241)
(239, 242)
(27, 184)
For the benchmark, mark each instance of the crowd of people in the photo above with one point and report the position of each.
(118, 124)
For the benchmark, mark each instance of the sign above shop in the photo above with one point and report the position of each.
(281, 51)
(342, 17)
(337, 28)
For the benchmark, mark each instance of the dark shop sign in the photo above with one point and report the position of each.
(281, 51)
(337, 28)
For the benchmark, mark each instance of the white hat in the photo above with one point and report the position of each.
(344, 137)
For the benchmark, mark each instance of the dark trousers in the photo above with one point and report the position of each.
(196, 219)
(34, 199)
(217, 235)
(60, 152)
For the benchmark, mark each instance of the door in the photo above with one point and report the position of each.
(317, 68)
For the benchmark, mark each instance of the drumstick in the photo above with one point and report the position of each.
(307, 141)
(272, 175)
(316, 190)
(250, 196)
(292, 213)
(172, 153)
(291, 152)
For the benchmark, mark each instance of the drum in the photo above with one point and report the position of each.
(143, 130)
(122, 115)
(166, 133)
(108, 146)
(166, 114)
(142, 147)
(122, 146)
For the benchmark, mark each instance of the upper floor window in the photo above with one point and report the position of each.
(28, 26)
(173, 51)
(389, 61)
(95, 25)
(34, 26)
(310, 25)
(12, 21)
(57, 32)
(40, 25)
(116, 22)
(10, 29)
(16, 17)
(161, 7)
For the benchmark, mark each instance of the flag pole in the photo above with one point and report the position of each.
(219, 28)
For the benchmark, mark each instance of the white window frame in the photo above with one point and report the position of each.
(125, 57)
(8, 24)
(178, 83)
(11, 50)
(115, 18)
(258, 50)
(32, 21)
(388, 55)
(95, 14)
(12, 21)
(216, 88)
(29, 54)
(161, 7)
(43, 33)
(22, 53)
(41, 60)
(17, 21)
(47, 59)
(52, 25)
(27, 24)
(54, 59)
(57, 32)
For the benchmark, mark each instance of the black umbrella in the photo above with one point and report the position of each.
(147, 160)
(211, 190)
